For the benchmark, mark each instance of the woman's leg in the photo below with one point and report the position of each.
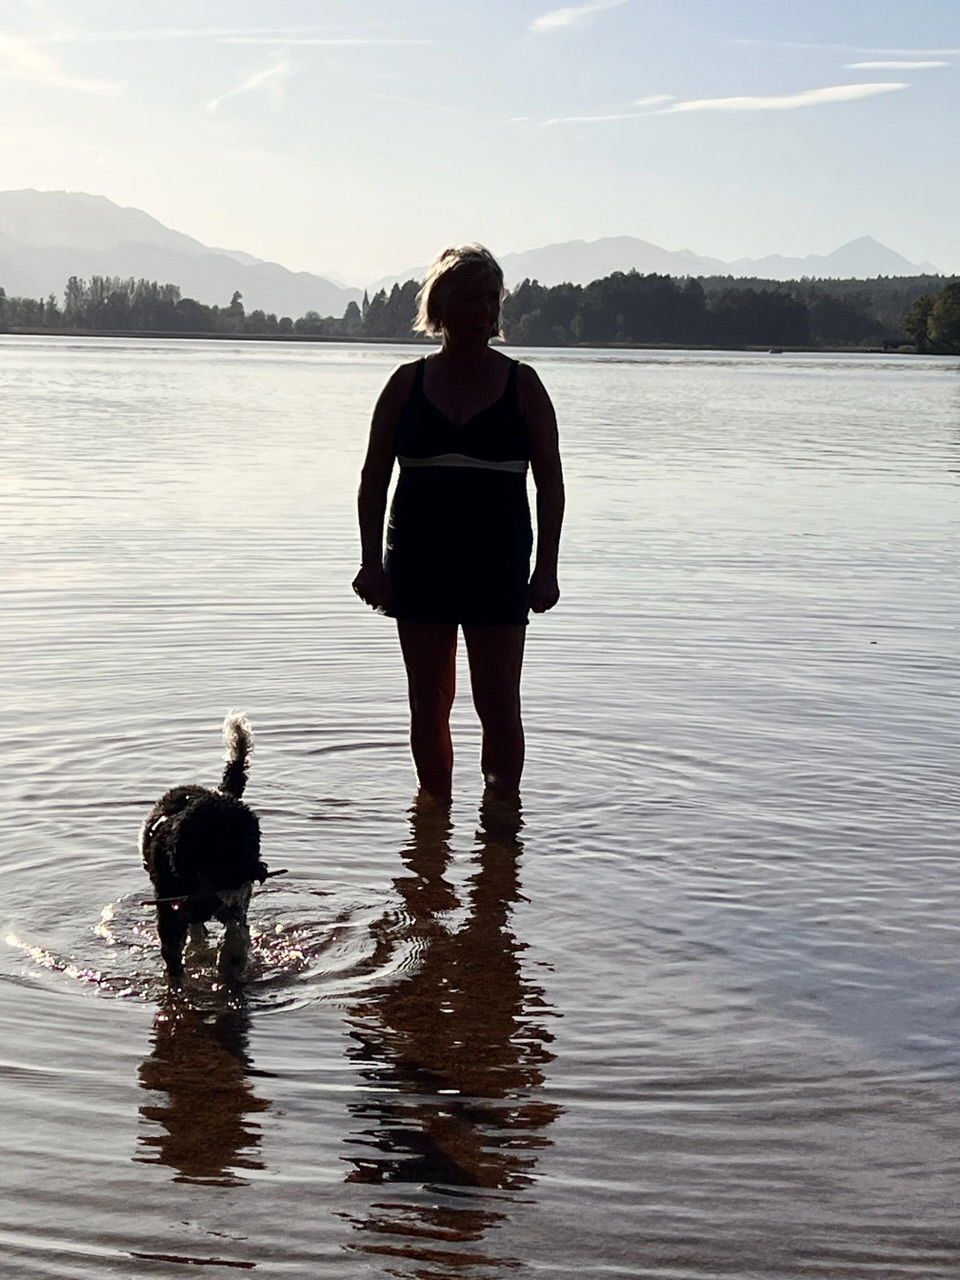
(430, 656)
(496, 659)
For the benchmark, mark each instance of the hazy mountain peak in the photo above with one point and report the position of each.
(866, 256)
(864, 242)
(47, 236)
(48, 218)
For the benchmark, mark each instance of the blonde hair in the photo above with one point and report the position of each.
(443, 275)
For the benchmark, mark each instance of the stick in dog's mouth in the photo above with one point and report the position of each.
(190, 897)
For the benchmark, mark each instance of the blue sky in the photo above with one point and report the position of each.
(359, 136)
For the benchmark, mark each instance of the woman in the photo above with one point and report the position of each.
(463, 423)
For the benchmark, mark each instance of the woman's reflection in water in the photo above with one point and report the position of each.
(452, 1056)
(199, 1060)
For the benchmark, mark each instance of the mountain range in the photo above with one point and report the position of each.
(580, 261)
(47, 236)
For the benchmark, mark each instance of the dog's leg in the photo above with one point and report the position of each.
(198, 942)
(235, 950)
(173, 933)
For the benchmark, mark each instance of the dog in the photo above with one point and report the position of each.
(201, 850)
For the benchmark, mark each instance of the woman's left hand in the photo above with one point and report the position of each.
(544, 591)
(373, 587)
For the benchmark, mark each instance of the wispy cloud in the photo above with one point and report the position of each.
(651, 100)
(23, 60)
(608, 119)
(557, 19)
(270, 80)
(912, 53)
(146, 34)
(652, 104)
(853, 48)
(338, 42)
(231, 35)
(423, 105)
(892, 66)
(784, 101)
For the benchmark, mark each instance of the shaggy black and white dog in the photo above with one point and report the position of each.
(201, 849)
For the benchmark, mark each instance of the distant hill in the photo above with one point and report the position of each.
(46, 236)
(859, 259)
(581, 261)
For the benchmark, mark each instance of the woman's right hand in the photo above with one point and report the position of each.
(373, 587)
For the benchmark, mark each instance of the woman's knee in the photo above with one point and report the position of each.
(498, 709)
(431, 698)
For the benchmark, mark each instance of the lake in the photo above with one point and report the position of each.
(697, 1015)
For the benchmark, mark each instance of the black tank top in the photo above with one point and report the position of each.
(495, 438)
(462, 489)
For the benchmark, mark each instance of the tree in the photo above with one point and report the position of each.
(309, 323)
(234, 314)
(376, 322)
(73, 301)
(916, 323)
(943, 325)
(194, 317)
(353, 317)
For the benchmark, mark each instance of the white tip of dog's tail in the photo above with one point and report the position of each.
(237, 734)
(238, 740)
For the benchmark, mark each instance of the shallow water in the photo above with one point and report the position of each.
(696, 1015)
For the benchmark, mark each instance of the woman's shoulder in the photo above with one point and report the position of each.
(399, 385)
(406, 373)
(530, 390)
(395, 395)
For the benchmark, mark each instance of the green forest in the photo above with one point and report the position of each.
(623, 309)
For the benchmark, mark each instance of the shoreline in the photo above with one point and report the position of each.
(413, 341)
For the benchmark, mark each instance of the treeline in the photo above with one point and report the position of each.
(629, 309)
(113, 304)
(621, 309)
(722, 311)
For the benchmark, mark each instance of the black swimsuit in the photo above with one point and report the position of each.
(459, 537)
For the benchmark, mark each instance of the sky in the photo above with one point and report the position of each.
(356, 138)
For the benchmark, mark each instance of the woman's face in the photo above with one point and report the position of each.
(472, 311)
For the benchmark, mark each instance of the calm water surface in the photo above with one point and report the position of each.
(697, 1016)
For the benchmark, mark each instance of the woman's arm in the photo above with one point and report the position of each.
(547, 470)
(370, 583)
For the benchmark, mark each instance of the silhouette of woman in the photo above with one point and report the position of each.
(464, 424)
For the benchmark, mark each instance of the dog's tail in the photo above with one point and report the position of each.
(238, 739)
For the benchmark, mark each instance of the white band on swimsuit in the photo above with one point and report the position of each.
(518, 466)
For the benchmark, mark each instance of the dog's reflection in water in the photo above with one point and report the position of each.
(452, 1057)
(202, 1128)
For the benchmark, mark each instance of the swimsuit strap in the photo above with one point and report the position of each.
(510, 391)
